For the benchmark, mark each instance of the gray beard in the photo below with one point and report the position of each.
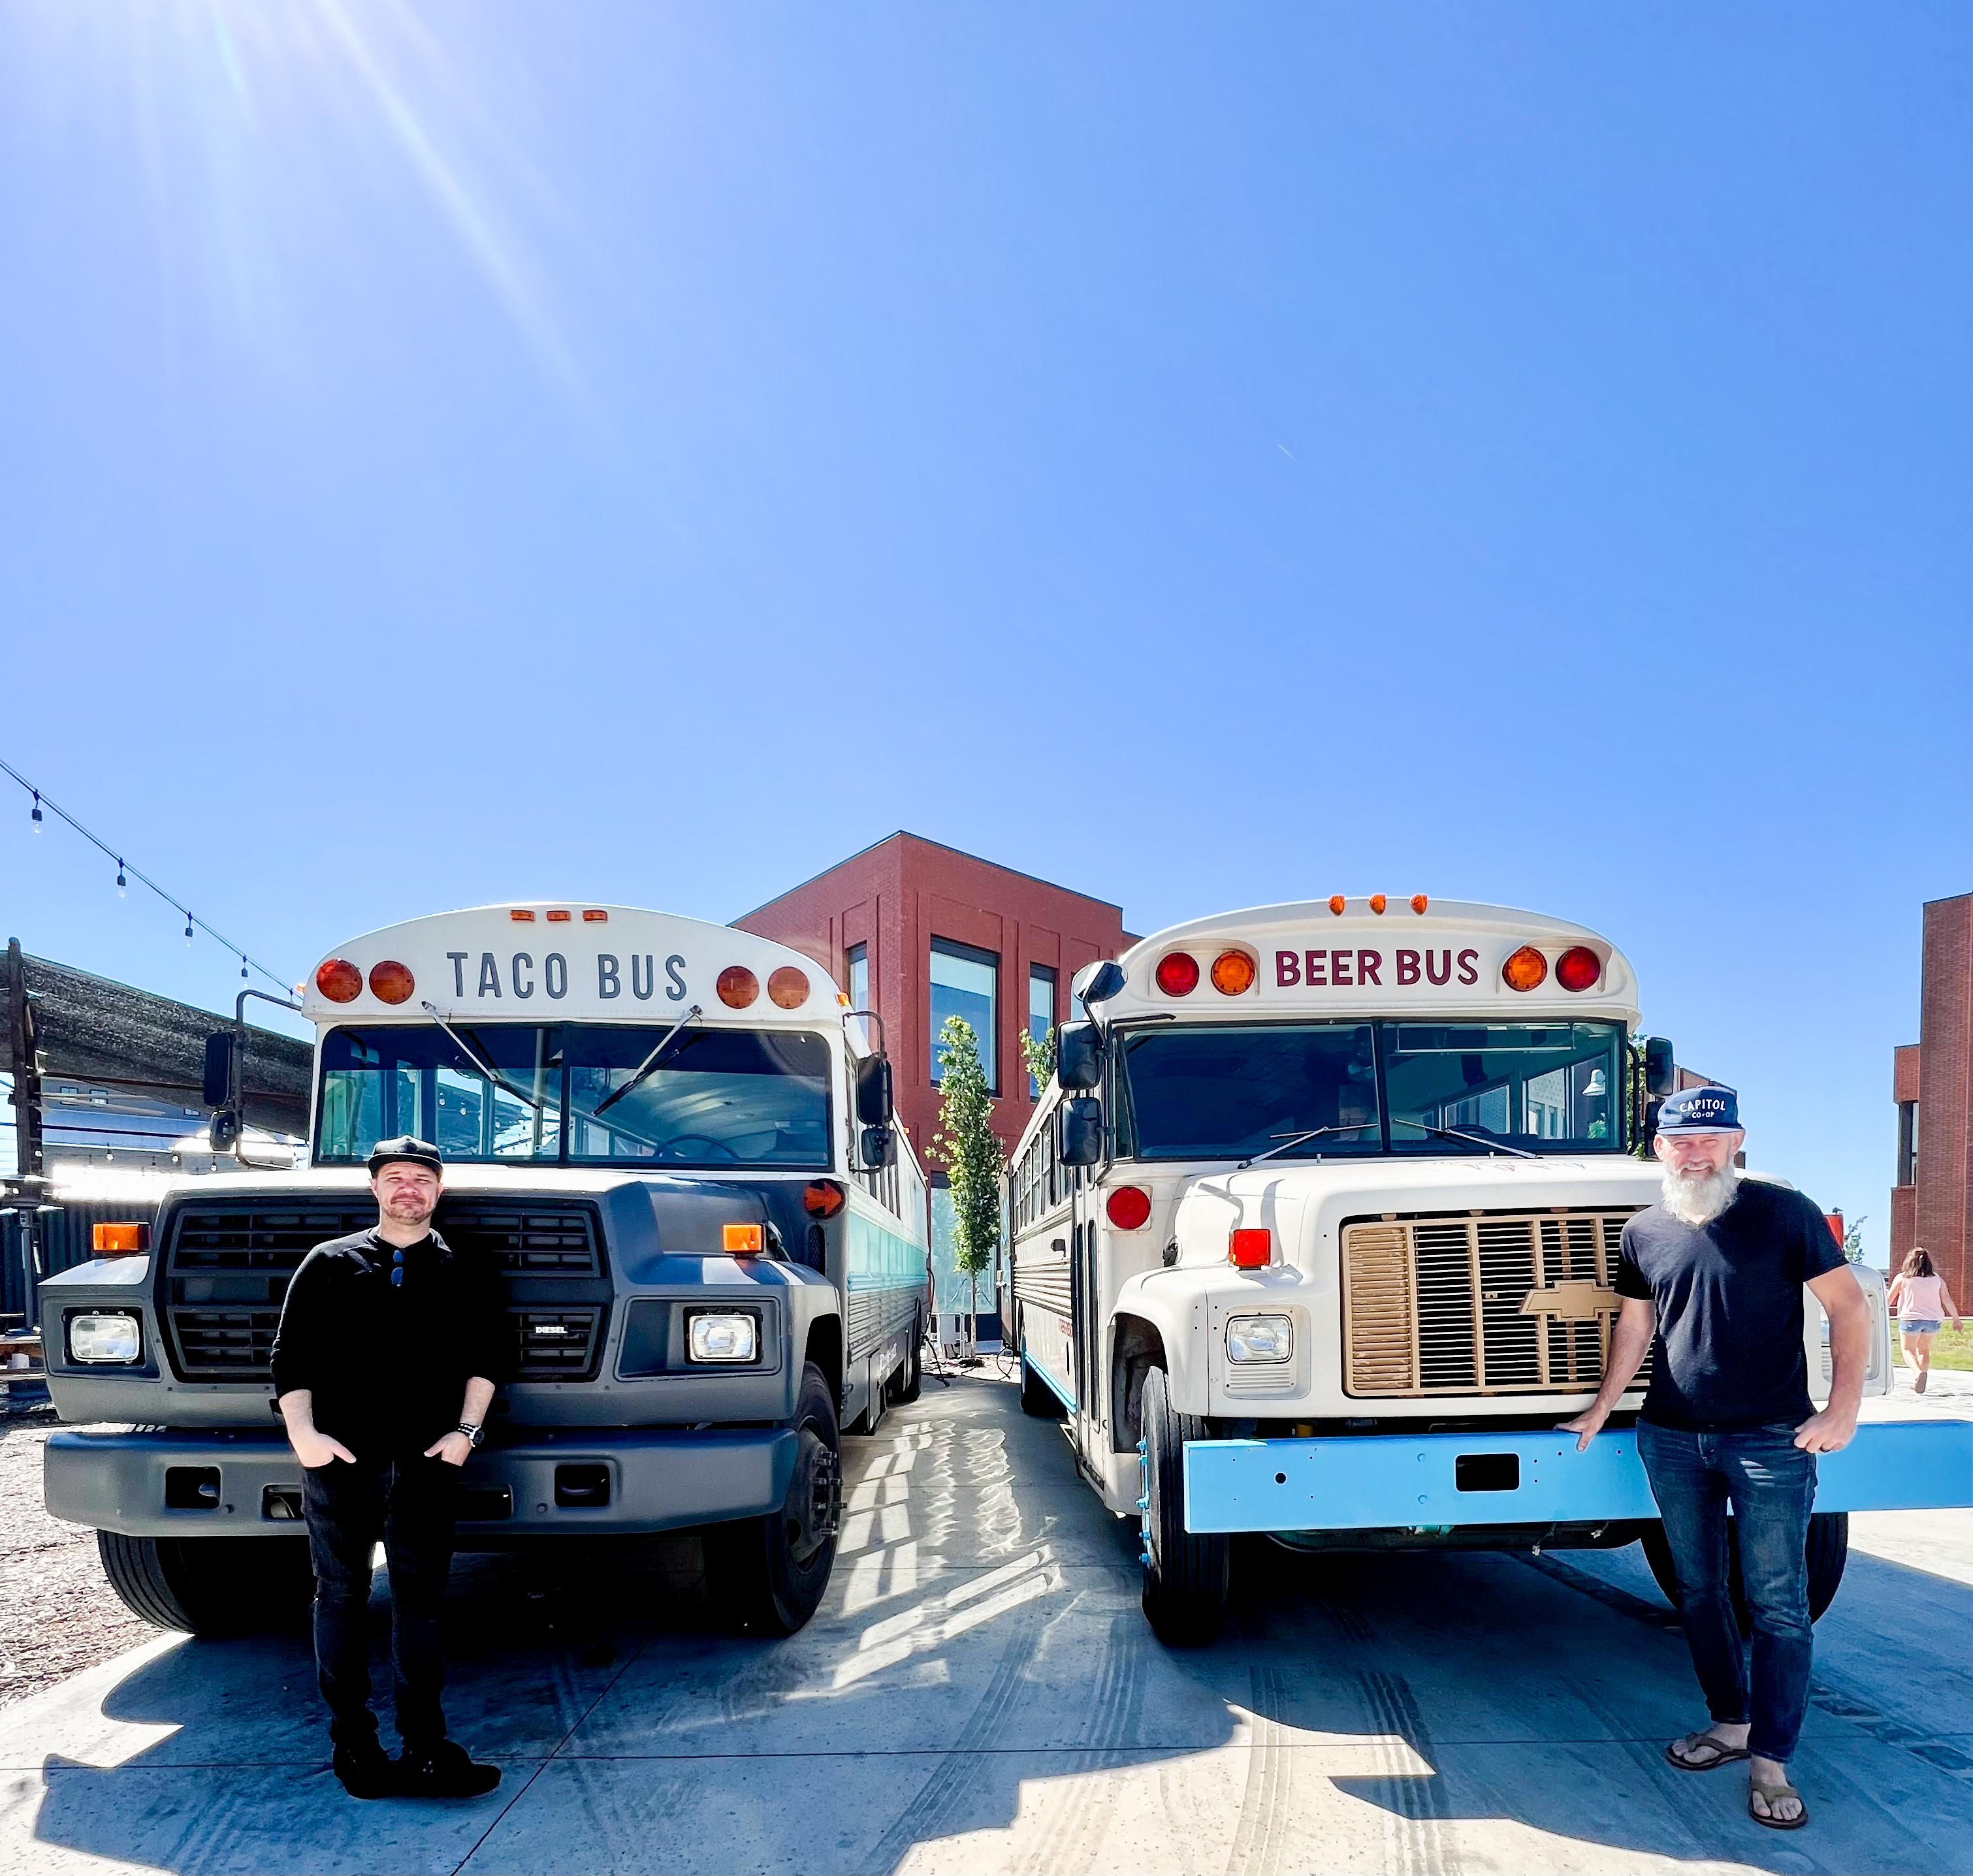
(1700, 1202)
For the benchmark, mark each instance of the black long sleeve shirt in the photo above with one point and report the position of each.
(387, 1363)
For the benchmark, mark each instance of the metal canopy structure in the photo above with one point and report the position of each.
(93, 1028)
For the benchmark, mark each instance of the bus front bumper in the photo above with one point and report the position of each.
(156, 1483)
(1435, 1482)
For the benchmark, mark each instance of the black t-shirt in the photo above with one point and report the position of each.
(387, 1363)
(1728, 1351)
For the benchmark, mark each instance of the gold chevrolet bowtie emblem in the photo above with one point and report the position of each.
(1578, 1300)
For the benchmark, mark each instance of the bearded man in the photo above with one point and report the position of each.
(384, 1365)
(1711, 1279)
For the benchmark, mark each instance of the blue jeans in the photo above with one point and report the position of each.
(1770, 1481)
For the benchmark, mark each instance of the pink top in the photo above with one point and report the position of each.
(1923, 1299)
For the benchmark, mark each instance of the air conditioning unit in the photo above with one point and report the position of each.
(949, 1331)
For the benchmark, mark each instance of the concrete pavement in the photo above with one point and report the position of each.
(980, 1693)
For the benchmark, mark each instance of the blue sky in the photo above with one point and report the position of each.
(646, 453)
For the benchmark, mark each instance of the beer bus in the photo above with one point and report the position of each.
(674, 1140)
(1314, 1235)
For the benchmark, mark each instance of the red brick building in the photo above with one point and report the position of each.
(918, 932)
(1931, 1202)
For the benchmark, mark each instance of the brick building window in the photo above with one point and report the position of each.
(966, 983)
(1907, 1143)
(857, 960)
(1041, 1012)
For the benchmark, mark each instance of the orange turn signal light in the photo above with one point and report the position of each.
(1525, 970)
(1232, 973)
(1335, 904)
(1378, 902)
(823, 1198)
(119, 1240)
(739, 1240)
(1419, 902)
(1251, 1247)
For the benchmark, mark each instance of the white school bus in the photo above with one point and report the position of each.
(1315, 1233)
(674, 1141)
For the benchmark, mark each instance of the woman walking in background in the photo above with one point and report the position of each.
(1919, 1296)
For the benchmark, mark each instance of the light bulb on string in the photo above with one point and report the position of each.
(34, 819)
(243, 964)
(187, 931)
(122, 885)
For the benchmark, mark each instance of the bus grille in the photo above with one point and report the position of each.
(1490, 1303)
(228, 1264)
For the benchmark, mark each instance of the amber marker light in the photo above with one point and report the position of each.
(339, 981)
(391, 982)
(787, 988)
(1251, 1247)
(1336, 904)
(1232, 973)
(737, 986)
(1419, 902)
(1128, 1208)
(1577, 969)
(119, 1240)
(559, 917)
(823, 1198)
(1525, 970)
(1177, 973)
(595, 917)
(1378, 902)
(521, 917)
(740, 1241)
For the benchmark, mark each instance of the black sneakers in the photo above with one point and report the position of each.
(365, 1771)
(442, 1771)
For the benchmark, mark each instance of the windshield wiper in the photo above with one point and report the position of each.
(493, 1075)
(644, 1067)
(1476, 1139)
(1289, 1142)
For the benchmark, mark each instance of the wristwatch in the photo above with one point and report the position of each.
(473, 1434)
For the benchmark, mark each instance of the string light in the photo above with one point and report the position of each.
(187, 934)
(125, 872)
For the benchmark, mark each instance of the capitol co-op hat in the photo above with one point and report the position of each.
(405, 1146)
(1700, 1110)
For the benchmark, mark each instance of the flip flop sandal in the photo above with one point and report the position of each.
(1770, 1794)
(1723, 1754)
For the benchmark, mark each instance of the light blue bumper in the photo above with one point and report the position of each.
(1388, 1481)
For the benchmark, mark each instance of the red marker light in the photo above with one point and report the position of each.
(1178, 973)
(391, 982)
(823, 1198)
(1129, 1208)
(737, 986)
(1525, 970)
(1232, 973)
(1251, 1247)
(787, 988)
(1578, 968)
(339, 981)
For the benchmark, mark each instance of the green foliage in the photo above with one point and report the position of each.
(1853, 1243)
(1039, 1057)
(965, 1142)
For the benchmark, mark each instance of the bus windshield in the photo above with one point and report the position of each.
(1233, 1091)
(718, 1097)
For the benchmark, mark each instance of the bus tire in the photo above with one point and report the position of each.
(1186, 1575)
(1828, 1552)
(908, 1382)
(215, 1586)
(1039, 1401)
(768, 1573)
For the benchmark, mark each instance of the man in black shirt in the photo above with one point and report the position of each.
(1711, 1280)
(384, 1365)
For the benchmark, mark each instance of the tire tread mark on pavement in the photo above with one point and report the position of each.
(943, 1793)
(1264, 1805)
(1417, 1802)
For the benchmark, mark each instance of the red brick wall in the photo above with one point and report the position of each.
(896, 897)
(1944, 1206)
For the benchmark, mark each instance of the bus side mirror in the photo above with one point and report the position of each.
(1651, 1120)
(1079, 1057)
(873, 1091)
(1661, 1072)
(877, 1147)
(221, 1056)
(1097, 982)
(1079, 1137)
(224, 1135)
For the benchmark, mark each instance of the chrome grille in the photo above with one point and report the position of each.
(1490, 1302)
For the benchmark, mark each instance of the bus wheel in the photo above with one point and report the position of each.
(1186, 1576)
(1828, 1552)
(768, 1573)
(907, 1384)
(209, 1585)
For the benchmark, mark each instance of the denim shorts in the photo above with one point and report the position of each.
(1920, 1325)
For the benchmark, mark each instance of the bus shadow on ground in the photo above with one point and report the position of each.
(1008, 1709)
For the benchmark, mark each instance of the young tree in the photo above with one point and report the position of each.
(1040, 1058)
(965, 1142)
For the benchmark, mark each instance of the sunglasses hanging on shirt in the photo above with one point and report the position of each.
(397, 1269)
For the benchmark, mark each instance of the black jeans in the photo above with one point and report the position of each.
(1770, 1483)
(410, 1504)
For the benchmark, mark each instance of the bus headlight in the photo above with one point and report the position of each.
(112, 1336)
(711, 1336)
(1255, 1340)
